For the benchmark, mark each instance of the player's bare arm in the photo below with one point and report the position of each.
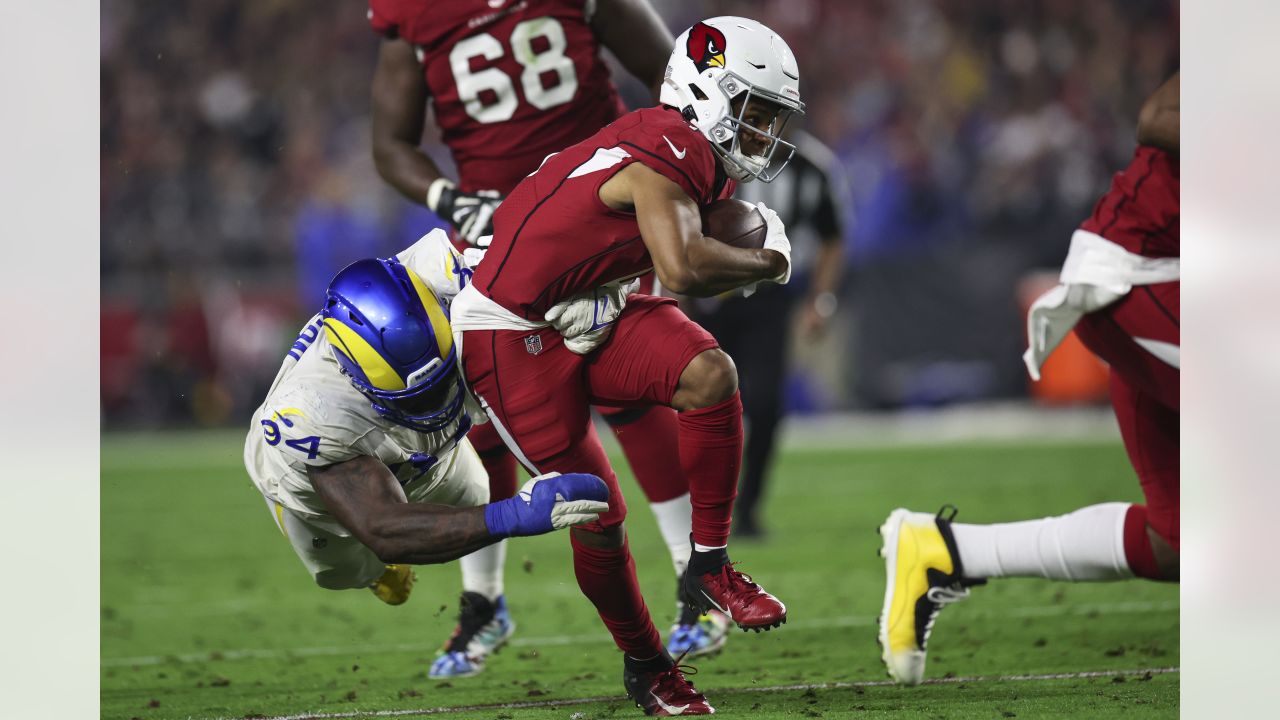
(364, 495)
(670, 225)
(634, 32)
(399, 109)
(1158, 120)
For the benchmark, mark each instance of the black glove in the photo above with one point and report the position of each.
(470, 213)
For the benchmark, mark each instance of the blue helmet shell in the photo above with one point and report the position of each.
(391, 335)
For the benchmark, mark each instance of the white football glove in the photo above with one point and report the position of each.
(586, 319)
(472, 256)
(470, 213)
(776, 239)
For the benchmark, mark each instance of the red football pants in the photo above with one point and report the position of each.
(539, 394)
(1144, 392)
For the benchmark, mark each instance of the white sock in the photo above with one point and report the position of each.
(1087, 544)
(482, 570)
(675, 522)
(699, 547)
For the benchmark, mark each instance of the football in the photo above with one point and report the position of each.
(734, 222)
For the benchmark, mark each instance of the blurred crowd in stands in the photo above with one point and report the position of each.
(236, 179)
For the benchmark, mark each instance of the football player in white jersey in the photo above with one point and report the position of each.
(360, 447)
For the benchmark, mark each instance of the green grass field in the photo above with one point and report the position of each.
(206, 613)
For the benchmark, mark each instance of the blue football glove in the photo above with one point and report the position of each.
(548, 502)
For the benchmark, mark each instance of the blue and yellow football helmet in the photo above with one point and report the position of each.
(391, 336)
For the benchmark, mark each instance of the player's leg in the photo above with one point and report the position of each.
(341, 562)
(649, 437)
(1150, 431)
(762, 371)
(484, 620)
(657, 355)
(484, 623)
(541, 411)
(1139, 337)
(931, 562)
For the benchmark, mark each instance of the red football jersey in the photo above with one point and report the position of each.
(1140, 211)
(511, 81)
(554, 238)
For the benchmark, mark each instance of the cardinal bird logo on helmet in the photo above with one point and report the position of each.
(706, 47)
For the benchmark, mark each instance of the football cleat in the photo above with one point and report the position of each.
(695, 634)
(483, 627)
(659, 687)
(734, 594)
(922, 574)
(394, 586)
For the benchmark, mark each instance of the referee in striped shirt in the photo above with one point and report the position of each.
(809, 196)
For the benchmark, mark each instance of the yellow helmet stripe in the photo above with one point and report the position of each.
(439, 323)
(375, 367)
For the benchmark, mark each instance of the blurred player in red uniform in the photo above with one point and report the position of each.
(548, 329)
(1120, 292)
(510, 82)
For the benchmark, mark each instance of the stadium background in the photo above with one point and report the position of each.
(236, 178)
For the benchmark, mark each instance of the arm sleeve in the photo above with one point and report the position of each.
(382, 18)
(434, 259)
(685, 158)
(826, 217)
(834, 193)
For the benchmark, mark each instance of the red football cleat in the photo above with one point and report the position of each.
(667, 692)
(734, 594)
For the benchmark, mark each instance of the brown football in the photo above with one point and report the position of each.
(734, 222)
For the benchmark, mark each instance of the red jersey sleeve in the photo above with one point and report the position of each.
(666, 144)
(384, 18)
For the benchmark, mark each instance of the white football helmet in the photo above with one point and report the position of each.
(713, 64)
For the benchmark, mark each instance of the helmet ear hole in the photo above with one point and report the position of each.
(697, 92)
(354, 318)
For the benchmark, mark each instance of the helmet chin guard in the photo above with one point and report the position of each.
(719, 68)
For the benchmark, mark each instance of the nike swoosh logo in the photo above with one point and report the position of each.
(678, 153)
(673, 709)
(712, 600)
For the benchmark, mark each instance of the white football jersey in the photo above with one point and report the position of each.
(313, 416)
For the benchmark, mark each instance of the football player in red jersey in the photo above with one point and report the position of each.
(547, 331)
(509, 83)
(1120, 292)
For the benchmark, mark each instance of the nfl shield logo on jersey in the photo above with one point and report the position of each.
(533, 344)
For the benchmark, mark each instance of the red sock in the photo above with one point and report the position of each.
(651, 442)
(607, 576)
(711, 454)
(1137, 546)
(501, 466)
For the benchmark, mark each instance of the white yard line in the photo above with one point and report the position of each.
(1031, 611)
(535, 704)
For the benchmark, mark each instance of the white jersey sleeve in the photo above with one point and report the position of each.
(434, 259)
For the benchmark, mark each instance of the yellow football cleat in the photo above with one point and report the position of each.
(922, 573)
(394, 586)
